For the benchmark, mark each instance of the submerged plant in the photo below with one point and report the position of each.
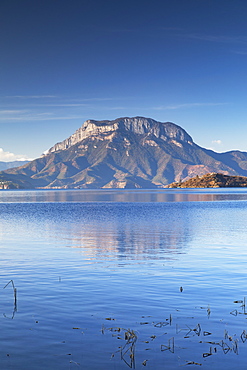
(15, 297)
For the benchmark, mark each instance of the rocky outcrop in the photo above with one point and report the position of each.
(212, 180)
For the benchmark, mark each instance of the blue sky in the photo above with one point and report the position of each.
(65, 61)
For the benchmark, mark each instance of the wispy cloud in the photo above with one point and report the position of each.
(117, 108)
(101, 99)
(236, 41)
(240, 52)
(218, 38)
(31, 96)
(62, 105)
(31, 101)
(62, 98)
(39, 118)
(7, 112)
(186, 105)
(26, 116)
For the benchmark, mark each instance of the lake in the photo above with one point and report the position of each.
(118, 279)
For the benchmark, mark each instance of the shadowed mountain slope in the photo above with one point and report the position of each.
(125, 153)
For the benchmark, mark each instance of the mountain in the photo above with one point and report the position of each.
(125, 153)
(212, 180)
(6, 165)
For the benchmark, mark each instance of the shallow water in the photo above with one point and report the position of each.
(117, 279)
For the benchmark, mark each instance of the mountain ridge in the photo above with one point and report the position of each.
(11, 164)
(135, 152)
(138, 125)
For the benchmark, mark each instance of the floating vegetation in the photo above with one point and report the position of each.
(208, 311)
(207, 354)
(196, 330)
(164, 323)
(169, 347)
(170, 338)
(127, 351)
(243, 336)
(171, 341)
(73, 362)
(193, 363)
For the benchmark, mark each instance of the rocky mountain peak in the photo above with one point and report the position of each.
(137, 125)
(128, 152)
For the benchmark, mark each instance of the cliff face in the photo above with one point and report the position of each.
(103, 130)
(127, 152)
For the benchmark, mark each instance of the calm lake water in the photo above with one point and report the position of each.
(117, 279)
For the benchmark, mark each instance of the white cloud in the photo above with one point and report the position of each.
(219, 142)
(9, 157)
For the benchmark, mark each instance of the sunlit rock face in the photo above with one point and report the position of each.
(127, 152)
(137, 125)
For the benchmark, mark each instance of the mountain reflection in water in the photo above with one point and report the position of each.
(122, 195)
(167, 265)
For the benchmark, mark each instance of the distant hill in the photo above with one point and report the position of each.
(212, 180)
(127, 152)
(6, 165)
